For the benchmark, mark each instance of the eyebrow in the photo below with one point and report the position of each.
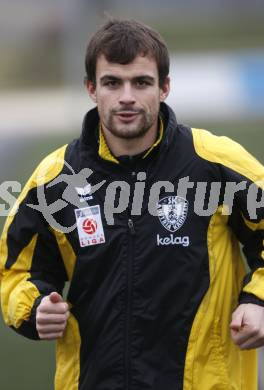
(145, 77)
(109, 77)
(116, 78)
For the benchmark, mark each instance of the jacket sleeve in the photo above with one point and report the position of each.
(242, 176)
(247, 222)
(31, 265)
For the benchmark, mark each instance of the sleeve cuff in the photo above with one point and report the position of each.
(250, 298)
(28, 328)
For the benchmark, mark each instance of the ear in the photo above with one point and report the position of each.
(91, 88)
(165, 89)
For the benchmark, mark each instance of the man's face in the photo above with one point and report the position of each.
(128, 96)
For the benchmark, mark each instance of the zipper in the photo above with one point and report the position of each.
(130, 259)
(131, 227)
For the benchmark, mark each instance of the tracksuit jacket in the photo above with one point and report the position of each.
(154, 271)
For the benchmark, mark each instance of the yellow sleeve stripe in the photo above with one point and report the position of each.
(255, 286)
(17, 294)
(252, 287)
(223, 150)
(48, 169)
(67, 252)
(68, 357)
(254, 225)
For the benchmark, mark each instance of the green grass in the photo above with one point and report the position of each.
(25, 364)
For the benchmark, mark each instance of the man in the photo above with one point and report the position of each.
(159, 297)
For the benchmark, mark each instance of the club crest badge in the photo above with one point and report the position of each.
(172, 212)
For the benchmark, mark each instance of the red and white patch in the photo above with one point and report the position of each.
(89, 226)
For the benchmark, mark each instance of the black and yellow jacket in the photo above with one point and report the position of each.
(151, 302)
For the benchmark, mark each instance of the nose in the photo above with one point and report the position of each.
(127, 95)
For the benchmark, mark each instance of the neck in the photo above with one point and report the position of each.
(130, 147)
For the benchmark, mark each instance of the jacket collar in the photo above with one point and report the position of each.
(105, 153)
(91, 137)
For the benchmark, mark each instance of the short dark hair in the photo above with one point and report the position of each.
(120, 41)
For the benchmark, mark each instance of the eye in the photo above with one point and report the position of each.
(142, 83)
(111, 83)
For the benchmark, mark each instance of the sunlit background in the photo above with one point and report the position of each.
(217, 74)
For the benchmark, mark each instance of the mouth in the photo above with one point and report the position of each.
(127, 116)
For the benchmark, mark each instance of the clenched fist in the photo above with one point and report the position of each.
(247, 326)
(51, 317)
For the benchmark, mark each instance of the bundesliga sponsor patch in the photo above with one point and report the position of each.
(90, 226)
(172, 212)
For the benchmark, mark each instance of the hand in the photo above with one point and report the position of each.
(51, 317)
(247, 326)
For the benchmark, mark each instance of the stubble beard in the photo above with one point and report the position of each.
(130, 131)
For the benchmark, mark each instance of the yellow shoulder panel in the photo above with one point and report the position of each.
(17, 293)
(223, 150)
(48, 169)
(14, 285)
